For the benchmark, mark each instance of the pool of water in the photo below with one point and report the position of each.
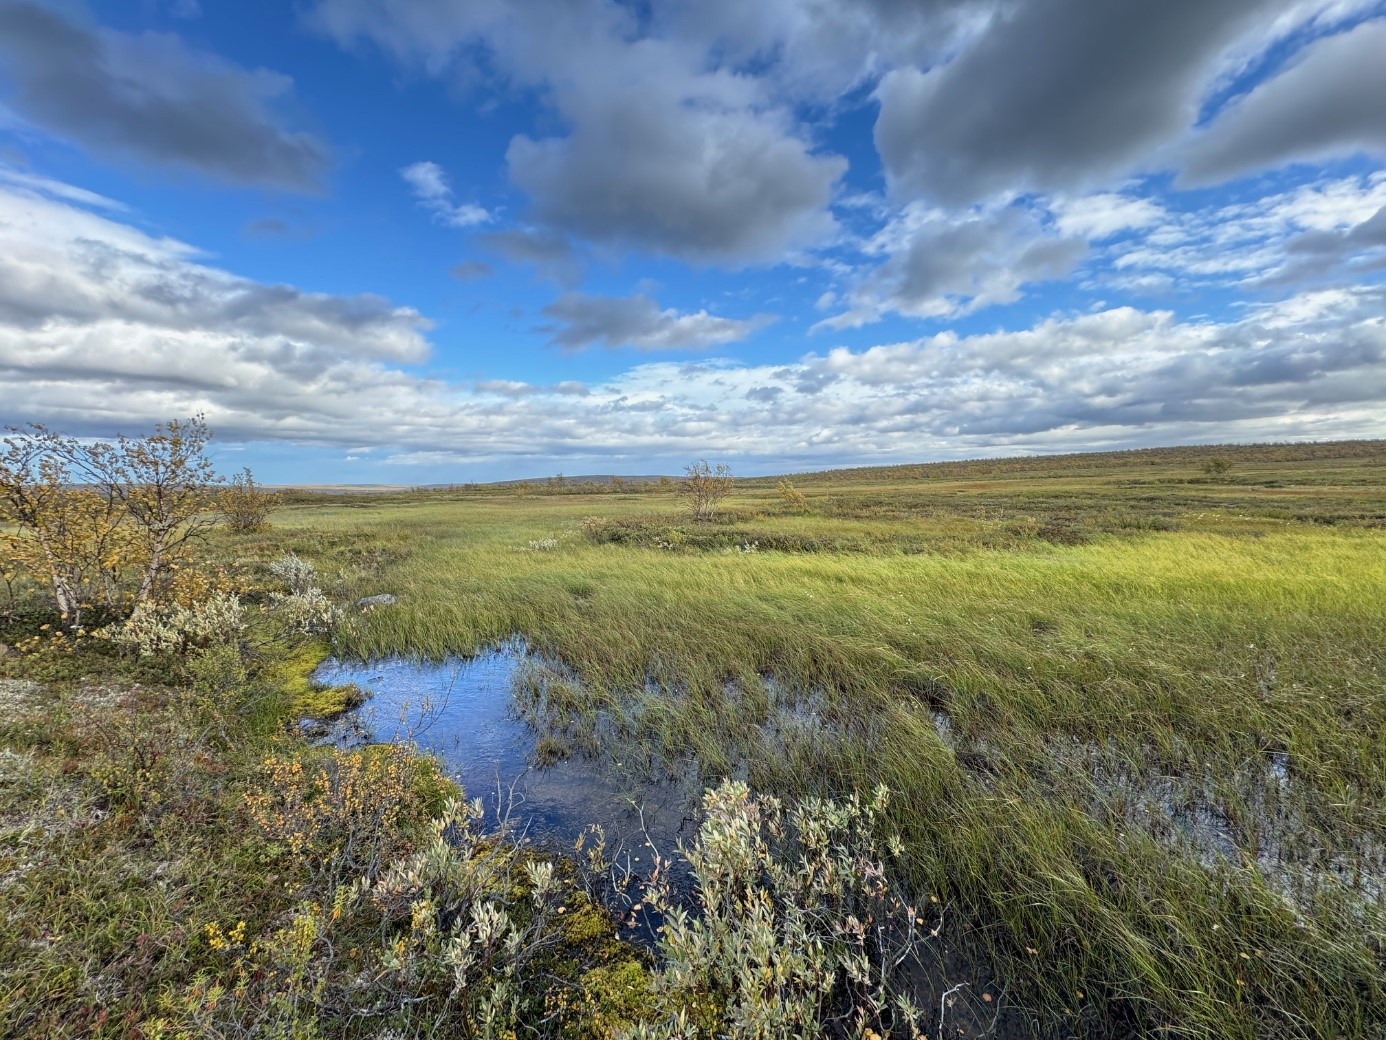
(461, 711)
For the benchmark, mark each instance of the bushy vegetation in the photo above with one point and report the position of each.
(706, 487)
(245, 504)
(105, 524)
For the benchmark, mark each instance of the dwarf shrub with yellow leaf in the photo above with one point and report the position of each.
(105, 524)
(344, 816)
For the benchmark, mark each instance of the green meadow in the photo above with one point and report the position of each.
(1130, 708)
(1132, 712)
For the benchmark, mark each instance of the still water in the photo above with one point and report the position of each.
(461, 711)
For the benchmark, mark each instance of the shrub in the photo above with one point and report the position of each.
(305, 608)
(308, 613)
(792, 496)
(800, 933)
(295, 572)
(706, 486)
(246, 504)
(176, 629)
(344, 817)
(1217, 466)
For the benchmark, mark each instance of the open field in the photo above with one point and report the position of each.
(1132, 715)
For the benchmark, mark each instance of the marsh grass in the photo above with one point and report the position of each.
(1076, 674)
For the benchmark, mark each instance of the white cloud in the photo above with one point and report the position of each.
(103, 327)
(1268, 240)
(662, 149)
(1105, 214)
(938, 265)
(640, 323)
(430, 187)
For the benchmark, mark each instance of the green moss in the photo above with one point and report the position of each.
(584, 923)
(434, 787)
(617, 996)
(308, 699)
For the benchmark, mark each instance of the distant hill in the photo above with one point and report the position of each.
(1072, 462)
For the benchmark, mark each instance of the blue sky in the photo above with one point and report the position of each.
(408, 241)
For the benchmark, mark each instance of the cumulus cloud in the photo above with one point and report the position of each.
(430, 186)
(663, 150)
(153, 98)
(548, 252)
(105, 327)
(812, 50)
(639, 323)
(65, 268)
(1056, 95)
(938, 266)
(1327, 104)
(707, 185)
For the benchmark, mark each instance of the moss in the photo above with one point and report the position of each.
(584, 923)
(306, 698)
(434, 787)
(616, 996)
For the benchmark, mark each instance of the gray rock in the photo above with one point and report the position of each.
(382, 600)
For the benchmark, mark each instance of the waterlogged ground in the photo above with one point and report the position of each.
(1131, 714)
(463, 711)
(493, 721)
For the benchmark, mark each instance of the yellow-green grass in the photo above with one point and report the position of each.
(1072, 624)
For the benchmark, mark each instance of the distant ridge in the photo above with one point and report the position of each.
(1290, 451)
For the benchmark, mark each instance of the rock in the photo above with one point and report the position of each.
(382, 600)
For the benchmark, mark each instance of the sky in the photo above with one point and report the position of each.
(422, 241)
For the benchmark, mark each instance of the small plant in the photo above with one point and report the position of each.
(308, 613)
(246, 504)
(706, 486)
(1217, 466)
(295, 572)
(178, 630)
(792, 496)
(305, 608)
(800, 932)
(595, 528)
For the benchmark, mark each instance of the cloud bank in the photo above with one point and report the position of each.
(103, 326)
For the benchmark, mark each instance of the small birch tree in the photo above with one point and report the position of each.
(706, 486)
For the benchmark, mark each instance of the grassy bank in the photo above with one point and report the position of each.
(1133, 711)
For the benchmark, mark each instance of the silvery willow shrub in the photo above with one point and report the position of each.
(308, 612)
(294, 571)
(800, 932)
(175, 629)
(305, 608)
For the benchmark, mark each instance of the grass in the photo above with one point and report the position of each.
(1132, 716)
(1132, 713)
